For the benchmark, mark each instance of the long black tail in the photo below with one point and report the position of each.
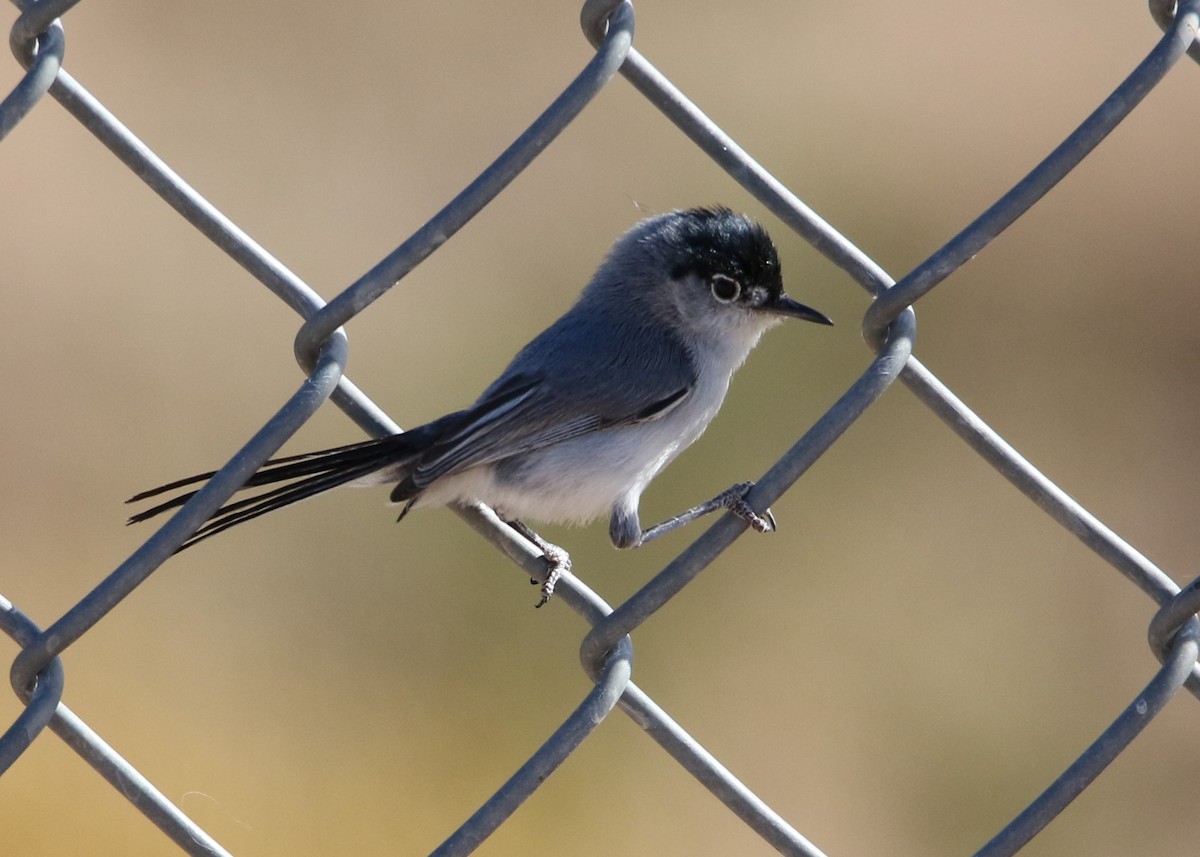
(306, 474)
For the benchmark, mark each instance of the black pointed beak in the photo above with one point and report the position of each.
(786, 306)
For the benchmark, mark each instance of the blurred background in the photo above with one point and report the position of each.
(903, 667)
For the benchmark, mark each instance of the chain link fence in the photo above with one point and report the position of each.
(889, 326)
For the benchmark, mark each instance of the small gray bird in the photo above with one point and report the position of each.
(591, 410)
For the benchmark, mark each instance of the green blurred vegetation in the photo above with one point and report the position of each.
(899, 670)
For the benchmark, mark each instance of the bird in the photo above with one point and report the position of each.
(589, 412)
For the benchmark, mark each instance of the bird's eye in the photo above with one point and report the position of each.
(725, 289)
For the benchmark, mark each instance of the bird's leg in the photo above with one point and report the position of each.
(558, 561)
(732, 499)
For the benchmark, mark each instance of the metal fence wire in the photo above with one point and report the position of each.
(37, 40)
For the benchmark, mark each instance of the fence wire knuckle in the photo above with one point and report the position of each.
(606, 649)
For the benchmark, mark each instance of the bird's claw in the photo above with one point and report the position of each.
(735, 501)
(558, 563)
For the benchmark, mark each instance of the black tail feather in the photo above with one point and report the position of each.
(320, 460)
(313, 472)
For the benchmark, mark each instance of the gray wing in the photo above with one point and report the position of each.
(574, 379)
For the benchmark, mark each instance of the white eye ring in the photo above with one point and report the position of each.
(725, 289)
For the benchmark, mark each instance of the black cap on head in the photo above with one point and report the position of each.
(708, 241)
(714, 241)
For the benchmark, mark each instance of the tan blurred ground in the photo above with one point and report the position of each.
(899, 671)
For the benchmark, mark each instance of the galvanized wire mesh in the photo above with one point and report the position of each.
(606, 652)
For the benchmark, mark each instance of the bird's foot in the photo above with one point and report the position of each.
(734, 499)
(558, 561)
